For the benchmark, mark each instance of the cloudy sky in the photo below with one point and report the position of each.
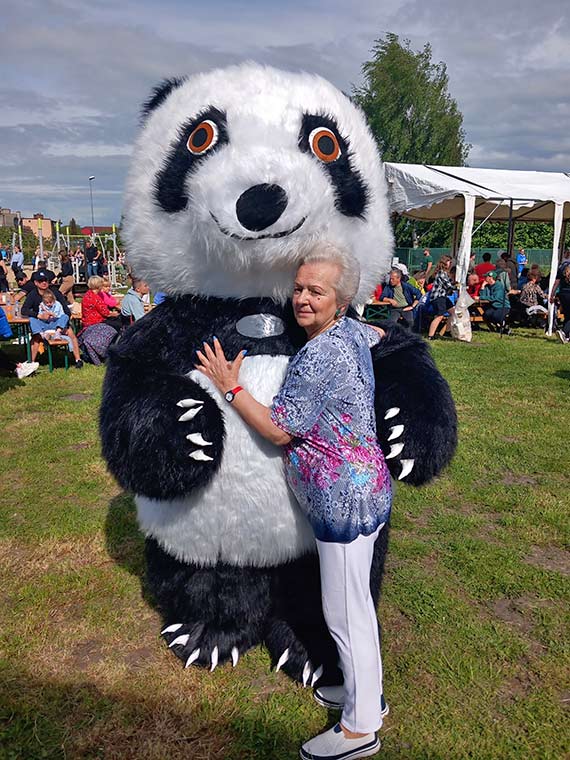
(74, 72)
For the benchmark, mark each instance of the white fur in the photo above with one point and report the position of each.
(246, 515)
(186, 252)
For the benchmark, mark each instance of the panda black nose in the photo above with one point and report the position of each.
(261, 206)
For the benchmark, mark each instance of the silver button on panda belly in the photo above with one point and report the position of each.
(246, 515)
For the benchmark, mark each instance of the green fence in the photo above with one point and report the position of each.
(413, 258)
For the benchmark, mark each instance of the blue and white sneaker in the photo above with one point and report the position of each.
(333, 745)
(332, 697)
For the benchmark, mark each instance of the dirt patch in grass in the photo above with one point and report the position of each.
(86, 653)
(140, 657)
(78, 396)
(517, 479)
(550, 558)
(79, 446)
(29, 561)
(512, 612)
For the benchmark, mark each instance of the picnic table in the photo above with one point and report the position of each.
(22, 325)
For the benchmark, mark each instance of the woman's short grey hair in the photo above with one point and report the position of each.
(95, 282)
(346, 287)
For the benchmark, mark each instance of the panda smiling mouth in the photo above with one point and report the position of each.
(235, 236)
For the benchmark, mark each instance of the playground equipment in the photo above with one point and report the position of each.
(107, 243)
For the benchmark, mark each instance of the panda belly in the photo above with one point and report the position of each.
(246, 515)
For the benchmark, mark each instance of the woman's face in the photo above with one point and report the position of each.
(314, 295)
(106, 286)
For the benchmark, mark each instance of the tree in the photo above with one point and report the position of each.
(73, 227)
(409, 109)
(413, 118)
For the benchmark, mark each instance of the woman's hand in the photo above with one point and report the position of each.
(213, 363)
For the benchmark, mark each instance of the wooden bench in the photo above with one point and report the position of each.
(55, 343)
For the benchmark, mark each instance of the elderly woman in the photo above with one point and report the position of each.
(101, 325)
(323, 416)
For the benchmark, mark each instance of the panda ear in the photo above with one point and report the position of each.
(159, 94)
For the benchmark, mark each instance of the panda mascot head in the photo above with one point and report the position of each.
(237, 170)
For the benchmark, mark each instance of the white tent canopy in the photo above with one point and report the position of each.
(428, 193)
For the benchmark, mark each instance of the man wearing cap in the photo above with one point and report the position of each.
(31, 308)
(494, 297)
(42, 267)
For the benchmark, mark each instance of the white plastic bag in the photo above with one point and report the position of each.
(460, 320)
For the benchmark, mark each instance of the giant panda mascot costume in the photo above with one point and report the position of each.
(234, 172)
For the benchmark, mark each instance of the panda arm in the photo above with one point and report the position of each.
(415, 414)
(162, 434)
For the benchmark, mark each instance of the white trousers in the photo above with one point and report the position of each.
(351, 619)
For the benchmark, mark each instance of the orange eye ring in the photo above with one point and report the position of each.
(324, 144)
(203, 137)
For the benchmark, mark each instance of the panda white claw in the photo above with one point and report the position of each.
(306, 672)
(316, 675)
(197, 439)
(214, 659)
(189, 403)
(171, 628)
(397, 431)
(395, 449)
(190, 414)
(407, 467)
(282, 660)
(200, 456)
(235, 656)
(182, 640)
(392, 412)
(193, 657)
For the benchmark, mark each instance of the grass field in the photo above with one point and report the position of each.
(475, 605)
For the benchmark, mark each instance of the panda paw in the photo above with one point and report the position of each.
(195, 645)
(396, 431)
(193, 408)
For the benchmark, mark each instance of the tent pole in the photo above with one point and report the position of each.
(464, 252)
(510, 234)
(562, 239)
(558, 214)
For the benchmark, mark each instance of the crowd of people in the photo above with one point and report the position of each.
(506, 293)
(47, 300)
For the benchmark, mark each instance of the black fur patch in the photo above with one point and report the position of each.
(169, 183)
(406, 377)
(143, 442)
(159, 95)
(350, 189)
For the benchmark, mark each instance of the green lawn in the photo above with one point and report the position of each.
(475, 605)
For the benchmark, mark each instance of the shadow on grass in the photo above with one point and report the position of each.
(59, 718)
(563, 374)
(7, 382)
(124, 541)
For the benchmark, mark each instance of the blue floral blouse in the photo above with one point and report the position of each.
(334, 465)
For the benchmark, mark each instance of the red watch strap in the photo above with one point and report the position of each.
(236, 390)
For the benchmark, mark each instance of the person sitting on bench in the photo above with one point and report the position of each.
(401, 297)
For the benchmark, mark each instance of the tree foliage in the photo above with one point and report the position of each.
(409, 109)
(414, 119)
(74, 228)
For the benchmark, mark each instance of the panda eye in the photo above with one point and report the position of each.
(324, 144)
(203, 137)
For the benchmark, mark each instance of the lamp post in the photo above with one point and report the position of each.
(91, 178)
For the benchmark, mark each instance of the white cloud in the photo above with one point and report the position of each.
(87, 150)
(75, 72)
